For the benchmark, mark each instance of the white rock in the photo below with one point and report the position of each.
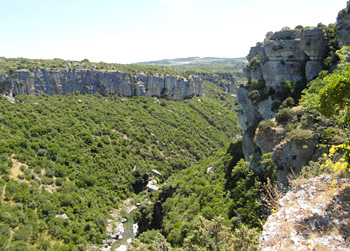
(122, 248)
(211, 170)
(154, 171)
(135, 228)
(152, 185)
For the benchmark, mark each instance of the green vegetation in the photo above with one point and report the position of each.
(220, 190)
(266, 125)
(255, 62)
(284, 115)
(326, 105)
(60, 156)
(334, 96)
(257, 91)
(13, 64)
(207, 63)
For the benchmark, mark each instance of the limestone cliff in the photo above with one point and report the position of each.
(63, 81)
(287, 56)
(279, 67)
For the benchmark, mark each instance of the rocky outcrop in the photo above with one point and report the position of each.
(63, 81)
(290, 156)
(287, 56)
(343, 26)
(312, 216)
(269, 138)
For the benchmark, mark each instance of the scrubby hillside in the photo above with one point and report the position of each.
(68, 160)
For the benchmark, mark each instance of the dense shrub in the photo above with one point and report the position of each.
(266, 124)
(288, 102)
(284, 115)
(300, 135)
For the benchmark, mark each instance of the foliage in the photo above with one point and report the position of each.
(257, 91)
(288, 102)
(284, 115)
(334, 96)
(255, 62)
(60, 156)
(228, 192)
(299, 135)
(335, 159)
(206, 63)
(331, 58)
(213, 235)
(266, 125)
(156, 242)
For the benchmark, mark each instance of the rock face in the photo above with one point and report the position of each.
(312, 216)
(62, 81)
(287, 56)
(343, 26)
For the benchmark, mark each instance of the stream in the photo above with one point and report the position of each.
(127, 235)
(130, 228)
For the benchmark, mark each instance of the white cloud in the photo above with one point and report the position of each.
(177, 4)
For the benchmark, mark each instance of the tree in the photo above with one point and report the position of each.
(335, 95)
(213, 235)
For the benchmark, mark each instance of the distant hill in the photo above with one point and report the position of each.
(206, 63)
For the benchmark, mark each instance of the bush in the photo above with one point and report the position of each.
(275, 106)
(255, 62)
(284, 115)
(300, 135)
(265, 125)
(288, 102)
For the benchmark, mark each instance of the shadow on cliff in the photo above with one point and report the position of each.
(236, 151)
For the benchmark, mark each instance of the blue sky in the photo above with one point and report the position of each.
(132, 31)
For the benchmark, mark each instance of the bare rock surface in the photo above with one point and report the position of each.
(63, 81)
(314, 215)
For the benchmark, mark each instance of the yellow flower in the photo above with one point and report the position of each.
(334, 183)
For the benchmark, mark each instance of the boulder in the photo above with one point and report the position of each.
(152, 185)
(155, 172)
(269, 138)
(63, 216)
(135, 228)
(287, 34)
(210, 170)
(314, 43)
(257, 50)
(290, 156)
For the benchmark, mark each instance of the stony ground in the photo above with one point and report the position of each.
(312, 216)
